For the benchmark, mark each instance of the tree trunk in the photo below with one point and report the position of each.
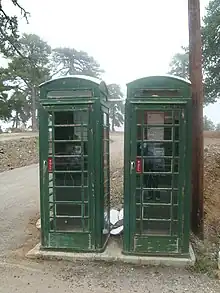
(113, 119)
(16, 120)
(33, 109)
(13, 124)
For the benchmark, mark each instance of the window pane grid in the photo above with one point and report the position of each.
(68, 147)
(157, 181)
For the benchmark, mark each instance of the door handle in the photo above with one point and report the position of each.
(44, 170)
(44, 166)
(132, 166)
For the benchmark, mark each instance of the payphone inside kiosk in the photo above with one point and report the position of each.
(157, 166)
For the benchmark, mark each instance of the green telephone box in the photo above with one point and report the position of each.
(74, 164)
(157, 170)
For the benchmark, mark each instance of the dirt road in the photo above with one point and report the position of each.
(18, 209)
(13, 136)
(19, 202)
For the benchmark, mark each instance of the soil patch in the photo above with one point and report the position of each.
(32, 238)
(18, 153)
(212, 192)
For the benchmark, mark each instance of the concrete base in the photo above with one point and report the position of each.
(113, 254)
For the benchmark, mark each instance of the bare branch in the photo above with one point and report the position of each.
(25, 13)
(8, 27)
(55, 73)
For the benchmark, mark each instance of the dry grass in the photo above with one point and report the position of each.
(207, 250)
(212, 189)
(116, 169)
(116, 184)
(212, 192)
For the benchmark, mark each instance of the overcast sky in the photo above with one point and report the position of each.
(129, 39)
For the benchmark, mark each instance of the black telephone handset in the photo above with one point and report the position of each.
(154, 163)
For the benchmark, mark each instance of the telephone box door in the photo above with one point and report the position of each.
(66, 141)
(157, 178)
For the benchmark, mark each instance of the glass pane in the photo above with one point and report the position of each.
(168, 148)
(105, 119)
(80, 133)
(105, 133)
(158, 165)
(50, 134)
(160, 181)
(69, 94)
(151, 117)
(105, 161)
(156, 227)
(105, 146)
(50, 119)
(156, 212)
(154, 133)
